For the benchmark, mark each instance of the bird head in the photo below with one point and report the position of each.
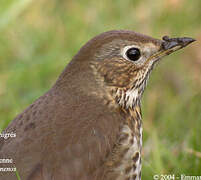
(122, 61)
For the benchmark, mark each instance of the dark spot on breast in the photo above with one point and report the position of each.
(136, 156)
(117, 99)
(134, 177)
(30, 126)
(131, 141)
(128, 169)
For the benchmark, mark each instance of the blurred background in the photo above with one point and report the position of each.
(38, 39)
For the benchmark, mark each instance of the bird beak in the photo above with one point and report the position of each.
(170, 45)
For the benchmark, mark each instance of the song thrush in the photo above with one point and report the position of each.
(88, 125)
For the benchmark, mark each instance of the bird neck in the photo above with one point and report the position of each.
(129, 103)
(127, 159)
(132, 129)
(133, 121)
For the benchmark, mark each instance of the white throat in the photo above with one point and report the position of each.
(127, 98)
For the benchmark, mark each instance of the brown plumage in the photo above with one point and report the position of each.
(88, 125)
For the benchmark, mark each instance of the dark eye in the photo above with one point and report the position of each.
(133, 54)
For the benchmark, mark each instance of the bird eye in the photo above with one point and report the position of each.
(133, 54)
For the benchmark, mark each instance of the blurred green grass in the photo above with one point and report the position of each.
(38, 39)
